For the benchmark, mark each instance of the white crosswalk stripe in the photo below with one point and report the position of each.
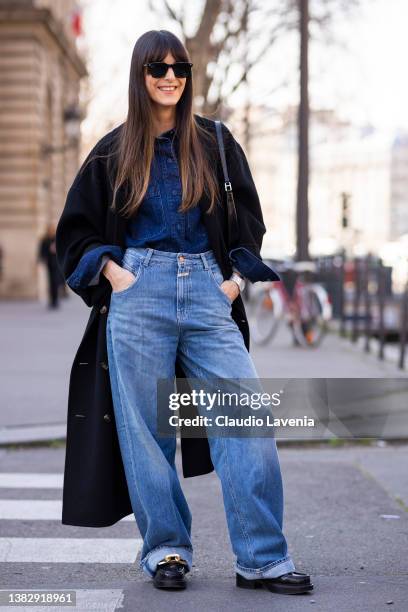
(57, 550)
(69, 550)
(35, 510)
(27, 480)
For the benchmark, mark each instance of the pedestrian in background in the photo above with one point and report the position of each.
(48, 256)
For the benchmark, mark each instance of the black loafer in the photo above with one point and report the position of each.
(170, 573)
(292, 583)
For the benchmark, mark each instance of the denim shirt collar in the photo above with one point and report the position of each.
(168, 135)
(166, 141)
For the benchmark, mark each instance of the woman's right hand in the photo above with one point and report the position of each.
(119, 278)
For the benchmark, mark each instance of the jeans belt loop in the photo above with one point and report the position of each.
(204, 260)
(148, 256)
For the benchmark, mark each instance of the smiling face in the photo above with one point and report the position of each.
(161, 96)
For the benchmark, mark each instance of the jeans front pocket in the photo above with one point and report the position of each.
(218, 278)
(136, 269)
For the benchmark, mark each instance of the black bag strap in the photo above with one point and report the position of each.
(233, 227)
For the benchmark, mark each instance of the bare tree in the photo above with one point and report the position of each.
(225, 38)
(323, 16)
(220, 43)
(302, 199)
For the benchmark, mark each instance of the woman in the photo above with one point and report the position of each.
(171, 313)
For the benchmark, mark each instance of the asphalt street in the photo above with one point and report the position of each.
(346, 523)
(346, 508)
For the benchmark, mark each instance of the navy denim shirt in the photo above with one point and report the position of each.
(158, 223)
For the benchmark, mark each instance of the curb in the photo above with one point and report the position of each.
(32, 434)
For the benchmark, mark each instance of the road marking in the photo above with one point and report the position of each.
(28, 480)
(69, 550)
(103, 600)
(36, 510)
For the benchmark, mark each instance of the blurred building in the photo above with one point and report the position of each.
(40, 74)
(350, 190)
(358, 182)
(399, 187)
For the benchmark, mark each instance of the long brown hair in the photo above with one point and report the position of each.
(135, 144)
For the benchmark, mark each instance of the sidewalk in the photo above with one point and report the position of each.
(41, 345)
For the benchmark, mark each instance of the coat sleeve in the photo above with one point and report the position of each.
(246, 257)
(87, 272)
(81, 230)
(247, 203)
(95, 279)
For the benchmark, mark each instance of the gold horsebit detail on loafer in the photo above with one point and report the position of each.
(169, 558)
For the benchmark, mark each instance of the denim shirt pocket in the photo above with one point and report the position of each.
(150, 219)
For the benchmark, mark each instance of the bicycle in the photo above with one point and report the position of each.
(307, 308)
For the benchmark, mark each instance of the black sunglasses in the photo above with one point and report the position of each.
(158, 70)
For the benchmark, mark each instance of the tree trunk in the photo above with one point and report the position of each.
(302, 205)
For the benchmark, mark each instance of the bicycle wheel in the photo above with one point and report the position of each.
(268, 309)
(311, 324)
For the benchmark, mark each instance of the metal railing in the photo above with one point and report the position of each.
(363, 301)
(368, 305)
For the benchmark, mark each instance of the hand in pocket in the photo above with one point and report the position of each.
(122, 279)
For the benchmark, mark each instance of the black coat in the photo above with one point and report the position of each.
(95, 492)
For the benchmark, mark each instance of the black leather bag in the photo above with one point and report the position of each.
(250, 265)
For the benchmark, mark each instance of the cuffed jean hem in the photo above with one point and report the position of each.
(272, 570)
(150, 561)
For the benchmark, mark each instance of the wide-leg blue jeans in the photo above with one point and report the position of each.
(175, 308)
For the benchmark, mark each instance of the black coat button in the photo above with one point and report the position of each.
(104, 365)
(106, 417)
(103, 310)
